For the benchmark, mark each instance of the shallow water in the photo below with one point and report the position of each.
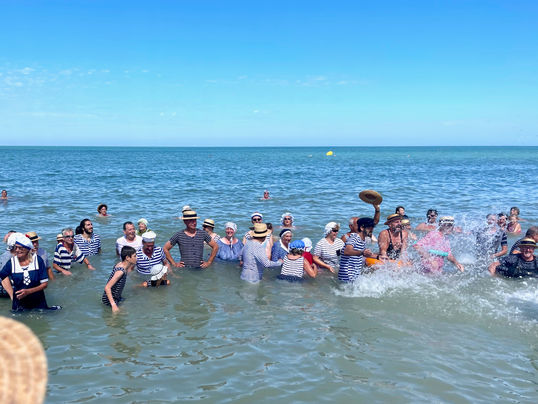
(393, 336)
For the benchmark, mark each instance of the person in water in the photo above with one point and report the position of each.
(116, 281)
(354, 252)
(286, 221)
(68, 252)
(142, 226)
(102, 210)
(190, 242)
(400, 210)
(492, 239)
(28, 276)
(327, 251)
(532, 232)
(34, 238)
(434, 246)
(230, 247)
(430, 223)
(88, 242)
(265, 195)
(129, 238)
(254, 257)
(209, 226)
(520, 265)
(513, 227)
(392, 241)
(281, 247)
(295, 265)
(4, 196)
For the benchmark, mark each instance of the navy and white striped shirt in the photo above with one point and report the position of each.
(144, 263)
(91, 247)
(191, 248)
(64, 258)
(351, 265)
(293, 267)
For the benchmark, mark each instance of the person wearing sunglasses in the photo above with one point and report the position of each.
(327, 251)
(430, 223)
(68, 252)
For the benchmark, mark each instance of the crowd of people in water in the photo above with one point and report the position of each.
(25, 268)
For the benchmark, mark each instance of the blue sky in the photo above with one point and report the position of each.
(244, 73)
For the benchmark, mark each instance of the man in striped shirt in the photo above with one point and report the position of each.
(88, 242)
(66, 252)
(149, 255)
(191, 244)
(352, 257)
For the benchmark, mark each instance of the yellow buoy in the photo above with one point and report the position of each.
(329, 153)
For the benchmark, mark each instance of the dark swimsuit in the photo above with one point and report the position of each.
(393, 253)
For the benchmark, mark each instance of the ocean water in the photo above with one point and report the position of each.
(393, 336)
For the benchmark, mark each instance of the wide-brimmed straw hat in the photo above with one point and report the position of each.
(371, 196)
(209, 223)
(32, 235)
(394, 216)
(158, 271)
(446, 220)
(529, 242)
(260, 230)
(23, 363)
(189, 214)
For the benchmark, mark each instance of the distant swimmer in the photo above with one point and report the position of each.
(102, 210)
(435, 246)
(514, 210)
(431, 221)
(520, 265)
(265, 195)
(400, 210)
(4, 196)
(392, 241)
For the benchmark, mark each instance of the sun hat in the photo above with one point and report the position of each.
(32, 235)
(12, 239)
(142, 220)
(148, 236)
(405, 222)
(209, 223)
(392, 217)
(371, 196)
(158, 271)
(307, 244)
(23, 241)
(101, 205)
(24, 364)
(283, 231)
(59, 237)
(298, 244)
(260, 230)
(256, 214)
(528, 242)
(446, 220)
(230, 225)
(189, 214)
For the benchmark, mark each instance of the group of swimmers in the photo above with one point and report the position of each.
(25, 269)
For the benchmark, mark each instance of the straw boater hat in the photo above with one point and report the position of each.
(209, 223)
(392, 217)
(32, 235)
(260, 230)
(23, 363)
(371, 196)
(189, 214)
(444, 220)
(527, 242)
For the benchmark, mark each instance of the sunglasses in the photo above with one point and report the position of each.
(257, 219)
(69, 236)
(334, 230)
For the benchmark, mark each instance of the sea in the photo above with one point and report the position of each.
(395, 335)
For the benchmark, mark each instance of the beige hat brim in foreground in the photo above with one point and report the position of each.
(371, 196)
(23, 363)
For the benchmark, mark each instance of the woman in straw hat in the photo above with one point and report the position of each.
(254, 257)
(28, 276)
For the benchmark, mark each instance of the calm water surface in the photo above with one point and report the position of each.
(394, 336)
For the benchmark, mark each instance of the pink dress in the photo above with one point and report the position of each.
(434, 240)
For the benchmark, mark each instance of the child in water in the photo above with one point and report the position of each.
(118, 277)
